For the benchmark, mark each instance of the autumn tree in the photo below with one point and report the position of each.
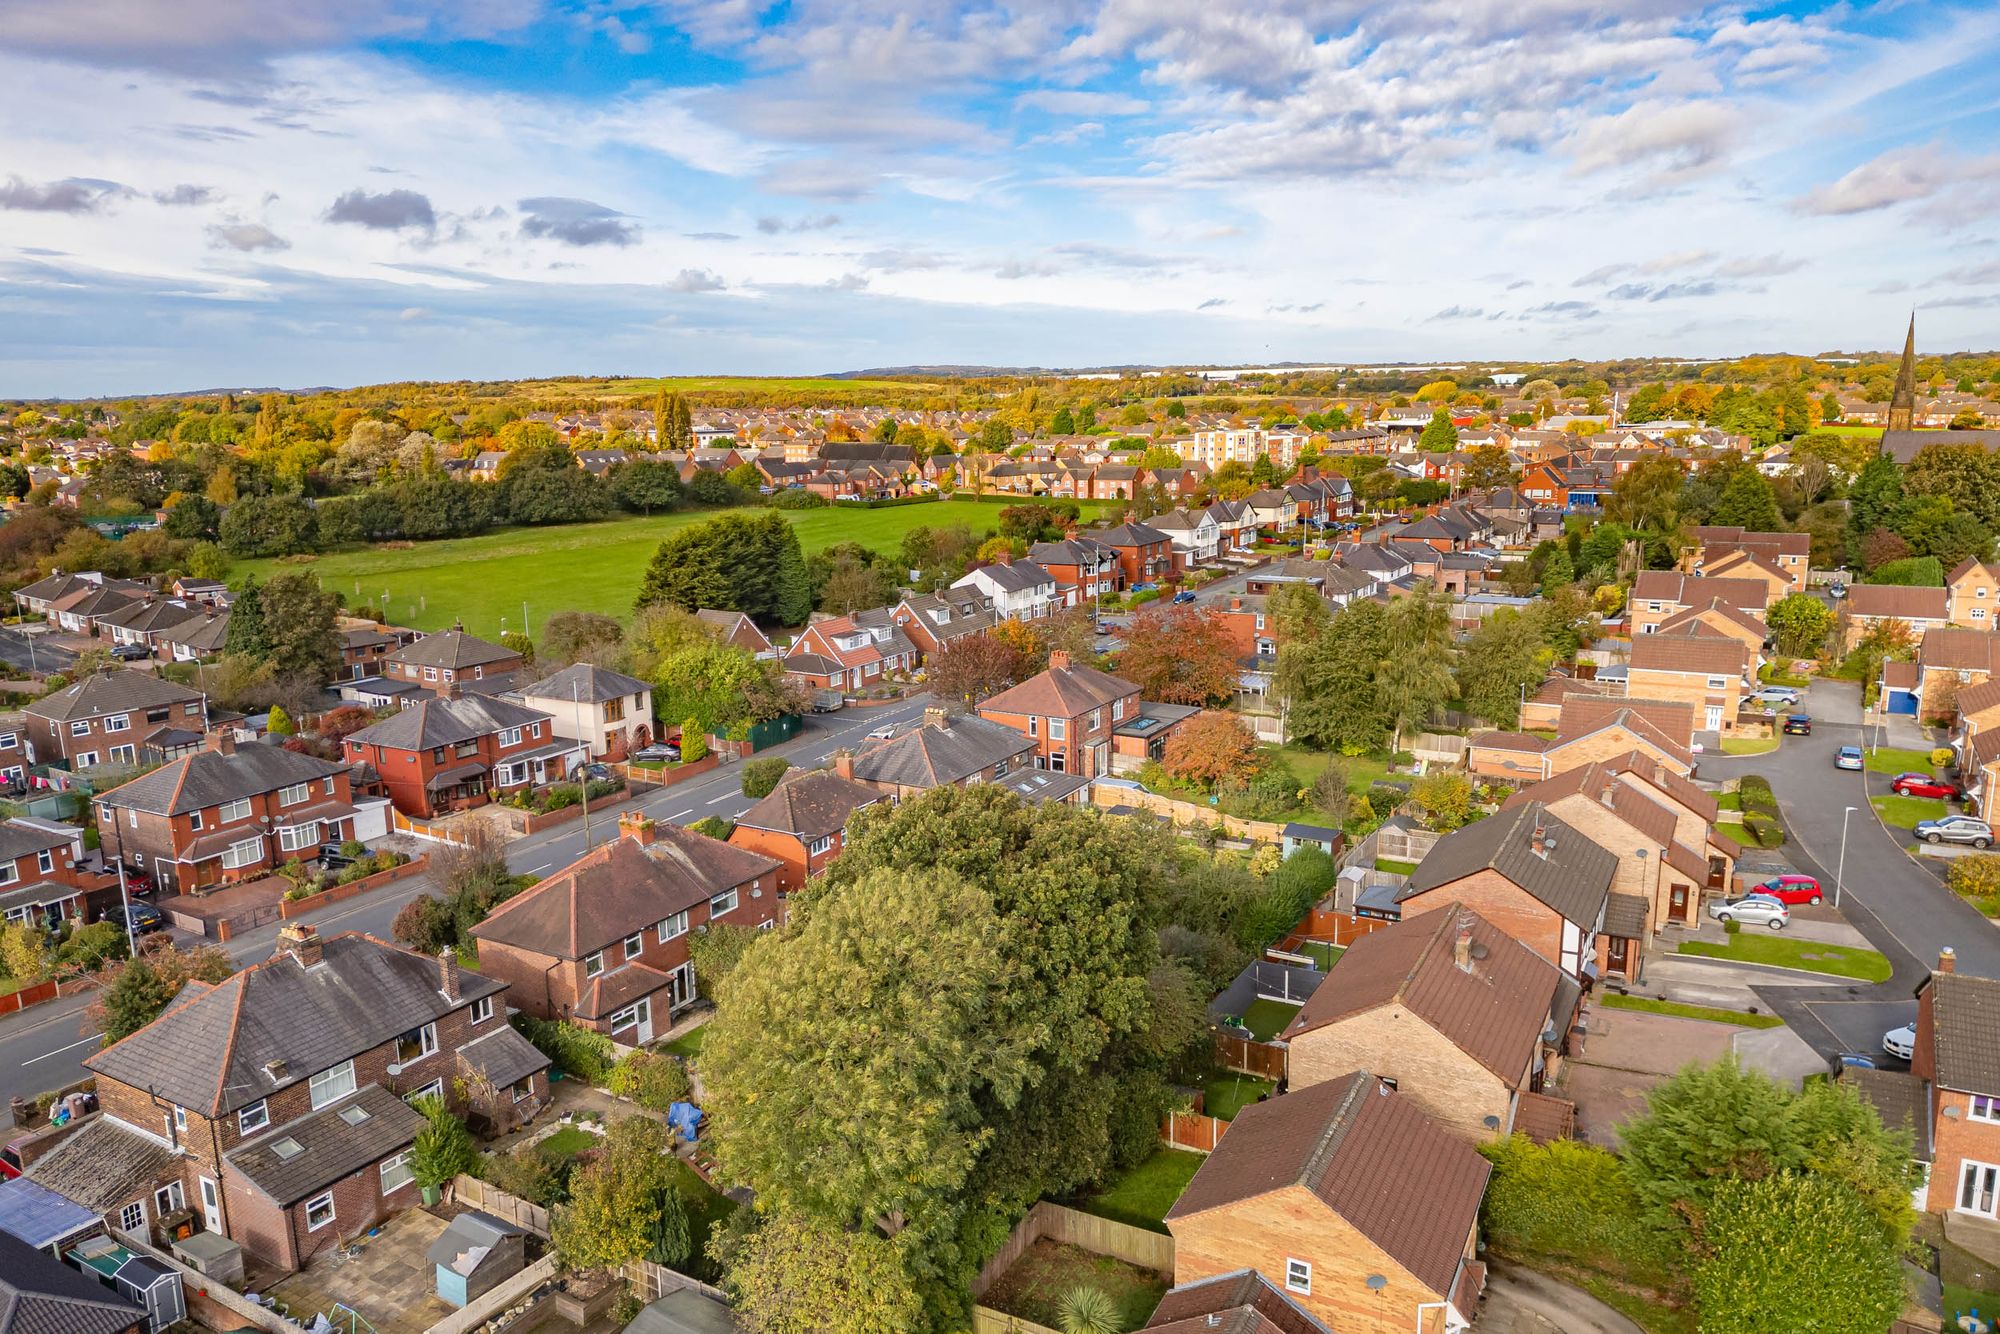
(971, 667)
(1180, 655)
(570, 637)
(132, 993)
(1800, 624)
(613, 1208)
(300, 638)
(1210, 747)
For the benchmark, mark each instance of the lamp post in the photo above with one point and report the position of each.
(1840, 871)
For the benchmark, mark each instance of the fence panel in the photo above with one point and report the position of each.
(650, 1282)
(1262, 1059)
(1192, 1130)
(1107, 1236)
(476, 1194)
(986, 1320)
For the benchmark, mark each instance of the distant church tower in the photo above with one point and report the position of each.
(1903, 403)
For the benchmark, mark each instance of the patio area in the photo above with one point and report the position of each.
(389, 1284)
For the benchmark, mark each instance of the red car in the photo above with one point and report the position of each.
(1790, 889)
(1922, 785)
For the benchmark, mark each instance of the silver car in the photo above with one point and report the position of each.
(1956, 829)
(1753, 910)
(1777, 695)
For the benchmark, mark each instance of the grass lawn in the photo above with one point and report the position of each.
(1651, 1006)
(1749, 745)
(1362, 770)
(687, 1044)
(1267, 1018)
(1321, 953)
(1394, 867)
(1768, 947)
(566, 1143)
(1734, 830)
(1889, 760)
(1143, 1195)
(1904, 812)
(1033, 1286)
(1226, 1093)
(574, 567)
(1729, 801)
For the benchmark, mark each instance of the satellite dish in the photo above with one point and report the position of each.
(1376, 1282)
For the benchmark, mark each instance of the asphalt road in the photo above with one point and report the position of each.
(1896, 900)
(41, 1048)
(42, 656)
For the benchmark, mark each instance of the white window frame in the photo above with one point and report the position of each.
(397, 1166)
(45, 860)
(1718, 683)
(329, 1078)
(85, 759)
(1058, 729)
(168, 1199)
(125, 754)
(1967, 1169)
(510, 736)
(672, 928)
(593, 964)
(253, 1118)
(434, 1089)
(635, 945)
(180, 1119)
(244, 852)
(427, 1044)
(118, 722)
(1298, 1276)
(1034, 725)
(296, 793)
(1984, 1107)
(8, 873)
(524, 1089)
(127, 1222)
(482, 1010)
(324, 1200)
(824, 843)
(194, 821)
(238, 809)
(80, 728)
(294, 837)
(722, 904)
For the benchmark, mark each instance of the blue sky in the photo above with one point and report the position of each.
(249, 192)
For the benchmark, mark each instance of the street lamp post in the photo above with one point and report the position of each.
(1840, 871)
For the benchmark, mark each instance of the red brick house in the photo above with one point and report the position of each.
(282, 1092)
(737, 631)
(930, 621)
(447, 657)
(1084, 568)
(849, 652)
(40, 879)
(119, 717)
(226, 813)
(1145, 555)
(448, 752)
(604, 941)
(1069, 713)
(1958, 1056)
(802, 823)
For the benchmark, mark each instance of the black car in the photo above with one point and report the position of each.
(131, 652)
(333, 859)
(1797, 724)
(143, 917)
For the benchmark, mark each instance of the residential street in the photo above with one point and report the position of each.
(40, 1048)
(1897, 901)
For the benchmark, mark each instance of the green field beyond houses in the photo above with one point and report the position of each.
(576, 567)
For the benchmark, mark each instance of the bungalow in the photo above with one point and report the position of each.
(737, 630)
(945, 750)
(450, 657)
(850, 652)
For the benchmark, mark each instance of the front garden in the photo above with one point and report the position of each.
(1778, 951)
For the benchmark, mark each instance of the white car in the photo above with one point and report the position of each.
(1901, 1042)
(886, 732)
(1753, 910)
(1777, 695)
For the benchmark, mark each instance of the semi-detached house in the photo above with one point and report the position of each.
(1069, 713)
(448, 752)
(116, 717)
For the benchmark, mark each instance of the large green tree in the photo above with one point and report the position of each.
(800, 1275)
(300, 638)
(1794, 1251)
(1503, 656)
(1439, 436)
(1747, 502)
(733, 562)
(1414, 678)
(1328, 681)
(246, 633)
(1872, 502)
(1799, 624)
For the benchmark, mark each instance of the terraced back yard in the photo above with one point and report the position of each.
(1033, 1286)
(575, 567)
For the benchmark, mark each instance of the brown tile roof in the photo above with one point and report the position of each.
(1736, 560)
(1979, 698)
(617, 889)
(1715, 607)
(1544, 1118)
(1965, 1032)
(810, 803)
(1713, 655)
(1525, 742)
(1370, 1155)
(1571, 875)
(1956, 648)
(1895, 602)
(1244, 1302)
(1061, 692)
(1692, 590)
(1643, 768)
(1749, 539)
(1672, 720)
(1494, 1007)
(1900, 675)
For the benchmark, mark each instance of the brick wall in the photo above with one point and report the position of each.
(1501, 902)
(1456, 1091)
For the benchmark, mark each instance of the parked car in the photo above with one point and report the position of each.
(1753, 910)
(131, 652)
(1852, 1060)
(1144, 586)
(1185, 596)
(1790, 889)
(1901, 1042)
(1785, 695)
(660, 751)
(333, 859)
(1798, 724)
(142, 918)
(1836, 591)
(1849, 757)
(1956, 829)
(1923, 785)
(596, 773)
(137, 883)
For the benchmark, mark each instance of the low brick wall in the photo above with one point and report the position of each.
(668, 777)
(290, 908)
(528, 822)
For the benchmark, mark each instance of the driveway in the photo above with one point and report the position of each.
(1626, 1054)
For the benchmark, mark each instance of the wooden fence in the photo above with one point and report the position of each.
(35, 995)
(403, 824)
(1332, 928)
(650, 1282)
(1192, 1130)
(986, 1320)
(476, 1194)
(1263, 1059)
(1086, 1232)
(1185, 813)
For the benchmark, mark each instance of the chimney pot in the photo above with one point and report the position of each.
(301, 941)
(1461, 949)
(937, 716)
(1947, 960)
(636, 826)
(224, 742)
(1059, 660)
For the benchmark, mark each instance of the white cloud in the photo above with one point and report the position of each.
(1062, 102)
(1672, 141)
(1898, 176)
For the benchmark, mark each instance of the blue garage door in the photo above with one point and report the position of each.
(1902, 701)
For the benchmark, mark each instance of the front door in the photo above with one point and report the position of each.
(1714, 717)
(645, 1009)
(1619, 951)
(211, 1206)
(1978, 1187)
(1677, 902)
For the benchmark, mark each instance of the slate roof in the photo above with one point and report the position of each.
(454, 649)
(1625, 915)
(302, 1157)
(210, 778)
(586, 683)
(1061, 692)
(104, 1164)
(1043, 784)
(1244, 1302)
(619, 888)
(810, 803)
(1130, 535)
(1903, 446)
(21, 838)
(684, 1311)
(1017, 576)
(39, 1294)
(938, 754)
(111, 692)
(503, 1056)
(218, 1048)
(1494, 1009)
(1369, 1154)
(1965, 1032)
(437, 721)
(1573, 877)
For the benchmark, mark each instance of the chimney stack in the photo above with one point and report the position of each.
(449, 690)
(636, 826)
(224, 740)
(448, 974)
(1235, 604)
(937, 716)
(1544, 840)
(301, 941)
(1059, 660)
(1947, 960)
(1461, 948)
(843, 763)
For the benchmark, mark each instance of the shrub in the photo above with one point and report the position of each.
(1569, 1201)
(353, 847)
(1977, 878)
(799, 499)
(694, 742)
(760, 777)
(90, 945)
(1731, 927)
(1788, 1244)
(1445, 795)
(712, 825)
(577, 1052)
(1942, 758)
(425, 924)
(1288, 895)
(443, 1148)
(652, 1080)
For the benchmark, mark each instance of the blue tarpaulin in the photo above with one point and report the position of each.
(39, 1216)
(684, 1117)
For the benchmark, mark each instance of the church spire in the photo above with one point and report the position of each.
(1903, 402)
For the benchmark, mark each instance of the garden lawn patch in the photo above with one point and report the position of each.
(1649, 1005)
(1143, 1195)
(1748, 745)
(1889, 760)
(708, 1209)
(1394, 867)
(1321, 953)
(567, 1142)
(1905, 812)
(574, 567)
(1033, 1286)
(1761, 945)
(1728, 801)
(1226, 1093)
(1732, 829)
(1267, 1018)
(687, 1044)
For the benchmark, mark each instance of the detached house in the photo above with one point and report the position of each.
(448, 752)
(802, 823)
(946, 750)
(1196, 536)
(281, 1092)
(226, 813)
(1069, 713)
(850, 652)
(737, 631)
(1145, 555)
(1464, 1020)
(1710, 673)
(1660, 595)
(1083, 567)
(603, 942)
(450, 657)
(608, 711)
(1788, 553)
(1347, 1195)
(115, 718)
